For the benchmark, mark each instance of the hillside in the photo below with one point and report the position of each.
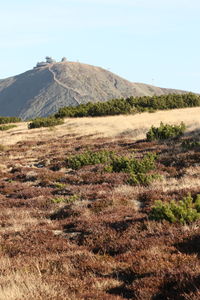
(42, 91)
(80, 232)
(128, 126)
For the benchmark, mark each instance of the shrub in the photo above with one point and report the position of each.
(88, 158)
(45, 122)
(170, 101)
(68, 200)
(6, 127)
(191, 144)
(130, 105)
(183, 211)
(142, 178)
(132, 164)
(6, 120)
(58, 200)
(165, 131)
(60, 185)
(137, 168)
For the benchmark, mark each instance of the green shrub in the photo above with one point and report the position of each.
(6, 120)
(68, 200)
(137, 168)
(165, 131)
(6, 127)
(132, 164)
(88, 158)
(142, 178)
(183, 211)
(130, 105)
(45, 122)
(60, 185)
(191, 144)
(170, 101)
(58, 200)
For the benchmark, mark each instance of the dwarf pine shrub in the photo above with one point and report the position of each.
(68, 200)
(130, 105)
(191, 144)
(142, 178)
(45, 122)
(132, 164)
(137, 168)
(6, 120)
(89, 158)
(165, 131)
(58, 200)
(183, 211)
(6, 127)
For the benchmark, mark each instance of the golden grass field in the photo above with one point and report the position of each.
(134, 126)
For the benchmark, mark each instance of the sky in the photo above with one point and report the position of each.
(150, 41)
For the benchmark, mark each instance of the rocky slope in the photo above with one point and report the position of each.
(42, 91)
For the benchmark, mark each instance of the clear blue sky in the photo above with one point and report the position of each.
(150, 41)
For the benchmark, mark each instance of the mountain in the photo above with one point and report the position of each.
(49, 86)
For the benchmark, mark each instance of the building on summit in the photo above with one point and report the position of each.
(49, 60)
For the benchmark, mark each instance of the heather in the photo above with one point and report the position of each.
(74, 226)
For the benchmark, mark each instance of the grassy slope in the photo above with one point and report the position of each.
(102, 245)
(134, 126)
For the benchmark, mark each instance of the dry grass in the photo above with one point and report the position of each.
(17, 220)
(134, 126)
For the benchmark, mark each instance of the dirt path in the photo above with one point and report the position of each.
(61, 84)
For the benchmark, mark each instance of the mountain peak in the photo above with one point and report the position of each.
(51, 85)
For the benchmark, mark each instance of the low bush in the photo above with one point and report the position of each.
(68, 200)
(6, 120)
(142, 178)
(45, 122)
(111, 107)
(130, 105)
(6, 127)
(191, 144)
(88, 158)
(132, 164)
(58, 200)
(183, 211)
(165, 131)
(137, 168)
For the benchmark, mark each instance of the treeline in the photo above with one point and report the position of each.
(7, 120)
(130, 105)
